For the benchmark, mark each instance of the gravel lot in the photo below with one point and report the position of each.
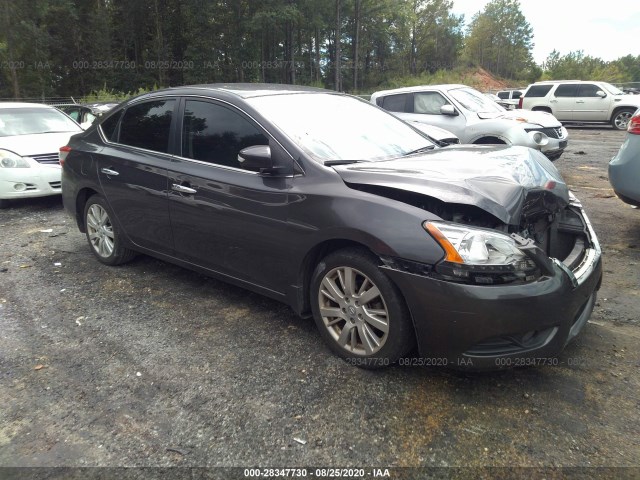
(149, 364)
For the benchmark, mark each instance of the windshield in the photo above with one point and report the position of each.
(29, 121)
(612, 90)
(474, 101)
(337, 127)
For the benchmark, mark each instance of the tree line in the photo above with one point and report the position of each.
(73, 47)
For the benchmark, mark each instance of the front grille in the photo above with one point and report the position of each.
(47, 158)
(551, 132)
(56, 185)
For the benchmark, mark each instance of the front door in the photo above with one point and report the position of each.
(223, 217)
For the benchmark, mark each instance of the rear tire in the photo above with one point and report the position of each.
(103, 233)
(620, 119)
(360, 313)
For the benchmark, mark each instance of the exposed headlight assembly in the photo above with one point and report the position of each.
(476, 255)
(9, 159)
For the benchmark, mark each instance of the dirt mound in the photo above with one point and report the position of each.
(485, 81)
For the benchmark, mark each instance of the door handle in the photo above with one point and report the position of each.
(182, 189)
(108, 171)
(579, 101)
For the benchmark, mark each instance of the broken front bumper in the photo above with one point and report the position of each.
(490, 327)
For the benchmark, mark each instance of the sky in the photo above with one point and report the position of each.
(608, 30)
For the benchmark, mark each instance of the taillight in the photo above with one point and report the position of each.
(520, 101)
(62, 155)
(634, 125)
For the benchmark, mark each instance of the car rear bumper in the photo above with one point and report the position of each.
(624, 171)
(492, 327)
(29, 182)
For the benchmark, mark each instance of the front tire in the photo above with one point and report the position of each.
(621, 118)
(103, 234)
(359, 312)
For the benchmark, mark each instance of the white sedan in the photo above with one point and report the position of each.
(30, 138)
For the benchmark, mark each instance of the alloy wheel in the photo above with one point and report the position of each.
(100, 230)
(353, 311)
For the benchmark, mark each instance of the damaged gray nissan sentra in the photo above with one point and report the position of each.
(479, 256)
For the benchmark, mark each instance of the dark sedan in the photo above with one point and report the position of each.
(478, 255)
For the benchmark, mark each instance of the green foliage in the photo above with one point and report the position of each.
(101, 48)
(500, 40)
(464, 75)
(578, 66)
(106, 95)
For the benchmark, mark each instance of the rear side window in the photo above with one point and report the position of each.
(109, 127)
(516, 94)
(216, 134)
(567, 90)
(503, 95)
(395, 103)
(147, 125)
(538, 91)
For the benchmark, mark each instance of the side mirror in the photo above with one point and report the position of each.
(257, 159)
(448, 110)
(601, 94)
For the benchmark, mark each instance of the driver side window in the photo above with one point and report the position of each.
(215, 134)
(428, 103)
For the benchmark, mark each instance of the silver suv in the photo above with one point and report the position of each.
(581, 102)
(474, 118)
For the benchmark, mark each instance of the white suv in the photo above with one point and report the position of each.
(581, 102)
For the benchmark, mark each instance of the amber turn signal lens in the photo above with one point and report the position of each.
(451, 254)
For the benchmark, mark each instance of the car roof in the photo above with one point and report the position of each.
(23, 105)
(444, 87)
(241, 90)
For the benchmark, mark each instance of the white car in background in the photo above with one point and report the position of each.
(30, 138)
(474, 118)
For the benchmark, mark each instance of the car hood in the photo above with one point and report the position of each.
(37, 144)
(499, 180)
(437, 133)
(542, 119)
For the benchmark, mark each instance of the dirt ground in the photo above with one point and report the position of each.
(151, 365)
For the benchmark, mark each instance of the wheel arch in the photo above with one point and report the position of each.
(84, 194)
(489, 140)
(542, 109)
(311, 260)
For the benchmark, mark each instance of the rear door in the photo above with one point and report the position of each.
(223, 217)
(132, 169)
(563, 101)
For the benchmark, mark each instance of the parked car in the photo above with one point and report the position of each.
(474, 118)
(499, 101)
(85, 114)
(624, 168)
(582, 102)
(477, 254)
(30, 137)
(512, 97)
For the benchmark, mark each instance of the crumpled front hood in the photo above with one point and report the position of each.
(495, 179)
(544, 119)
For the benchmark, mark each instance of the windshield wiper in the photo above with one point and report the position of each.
(420, 150)
(341, 162)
